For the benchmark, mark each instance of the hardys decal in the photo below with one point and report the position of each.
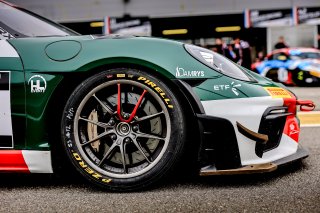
(6, 138)
(37, 84)
(180, 72)
(277, 92)
(224, 87)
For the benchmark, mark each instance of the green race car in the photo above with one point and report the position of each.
(126, 111)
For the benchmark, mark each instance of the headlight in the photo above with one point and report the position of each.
(218, 62)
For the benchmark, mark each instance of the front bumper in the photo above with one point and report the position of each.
(299, 155)
(256, 168)
(219, 150)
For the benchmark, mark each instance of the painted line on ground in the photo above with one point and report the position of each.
(309, 119)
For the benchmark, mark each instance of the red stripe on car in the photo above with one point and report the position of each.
(13, 161)
(291, 128)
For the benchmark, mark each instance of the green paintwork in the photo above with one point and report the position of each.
(221, 88)
(18, 111)
(54, 57)
(38, 117)
(157, 54)
(12, 64)
(70, 50)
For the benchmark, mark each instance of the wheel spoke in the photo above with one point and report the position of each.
(119, 103)
(145, 135)
(112, 113)
(101, 124)
(109, 152)
(147, 150)
(123, 156)
(97, 138)
(143, 103)
(134, 111)
(136, 143)
(104, 106)
(148, 117)
(130, 158)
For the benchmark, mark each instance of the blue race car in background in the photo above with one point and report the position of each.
(291, 66)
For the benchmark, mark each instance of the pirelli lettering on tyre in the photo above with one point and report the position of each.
(90, 171)
(157, 89)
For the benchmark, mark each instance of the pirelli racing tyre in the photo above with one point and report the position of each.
(123, 129)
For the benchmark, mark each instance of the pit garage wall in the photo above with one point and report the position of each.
(293, 36)
(86, 10)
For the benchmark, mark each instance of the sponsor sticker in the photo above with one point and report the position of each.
(37, 84)
(225, 87)
(278, 92)
(121, 75)
(181, 72)
(292, 128)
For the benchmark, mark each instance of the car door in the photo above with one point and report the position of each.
(12, 97)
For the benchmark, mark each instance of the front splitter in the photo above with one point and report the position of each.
(257, 168)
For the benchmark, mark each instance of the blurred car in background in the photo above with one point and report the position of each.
(291, 66)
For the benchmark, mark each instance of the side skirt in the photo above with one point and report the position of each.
(25, 161)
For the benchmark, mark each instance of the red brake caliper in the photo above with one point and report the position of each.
(134, 111)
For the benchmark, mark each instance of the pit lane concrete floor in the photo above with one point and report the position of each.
(294, 188)
(309, 119)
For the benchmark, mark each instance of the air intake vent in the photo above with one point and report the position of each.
(272, 123)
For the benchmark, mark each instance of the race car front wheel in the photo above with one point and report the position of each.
(123, 129)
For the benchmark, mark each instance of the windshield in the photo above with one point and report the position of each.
(22, 23)
(306, 55)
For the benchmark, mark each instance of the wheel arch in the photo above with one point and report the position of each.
(127, 62)
(71, 80)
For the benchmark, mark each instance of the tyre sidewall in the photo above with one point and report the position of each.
(170, 156)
